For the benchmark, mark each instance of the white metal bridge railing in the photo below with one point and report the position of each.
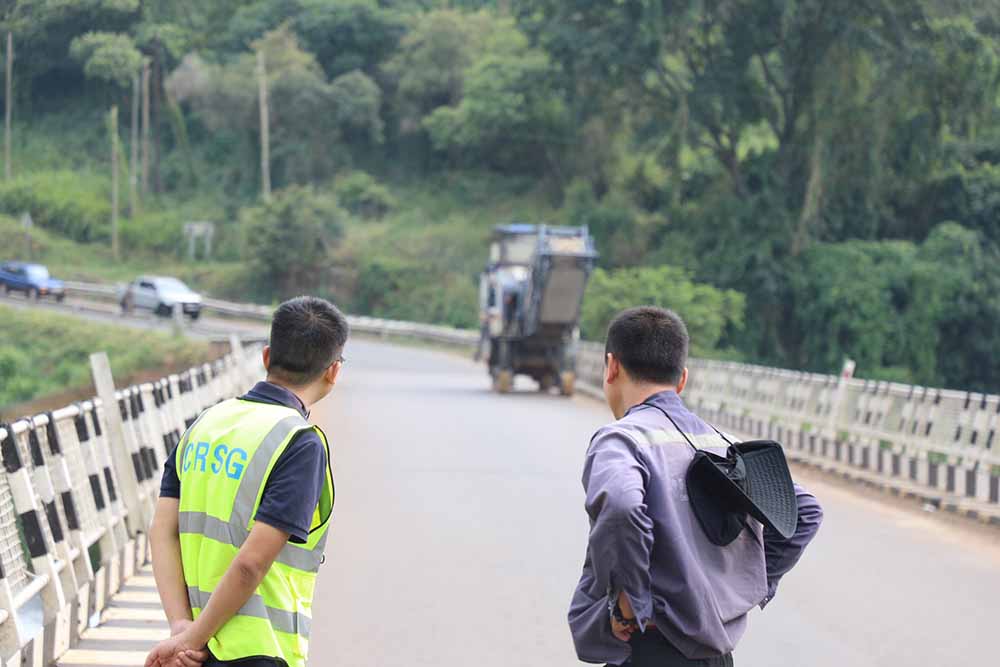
(76, 494)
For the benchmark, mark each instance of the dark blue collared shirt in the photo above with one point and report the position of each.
(292, 491)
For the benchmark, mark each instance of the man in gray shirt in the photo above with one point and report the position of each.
(655, 592)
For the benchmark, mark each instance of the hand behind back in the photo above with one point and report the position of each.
(178, 651)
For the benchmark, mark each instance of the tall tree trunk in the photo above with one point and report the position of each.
(265, 138)
(8, 99)
(813, 199)
(133, 175)
(156, 84)
(145, 127)
(113, 131)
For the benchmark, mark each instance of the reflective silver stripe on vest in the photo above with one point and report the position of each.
(294, 623)
(246, 494)
(216, 529)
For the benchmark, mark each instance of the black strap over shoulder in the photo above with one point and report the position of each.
(683, 434)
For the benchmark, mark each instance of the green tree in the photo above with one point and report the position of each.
(348, 36)
(314, 123)
(707, 311)
(357, 101)
(362, 195)
(109, 56)
(509, 117)
(968, 320)
(913, 313)
(342, 35)
(289, 240)
(428, 70)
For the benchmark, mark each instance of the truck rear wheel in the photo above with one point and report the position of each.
(567, 383)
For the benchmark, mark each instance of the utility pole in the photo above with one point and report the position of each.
(133, 176)
(9, 92)
(113, 129)
(145, 126)
(265, 138)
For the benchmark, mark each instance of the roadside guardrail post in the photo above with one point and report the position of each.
(177, 319)
(129, 488)
(102, 526)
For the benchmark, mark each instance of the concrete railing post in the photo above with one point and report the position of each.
(136, 518)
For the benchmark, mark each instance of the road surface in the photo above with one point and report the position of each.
(459, 532)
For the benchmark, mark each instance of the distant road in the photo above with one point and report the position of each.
(95, 311)
(459, 532)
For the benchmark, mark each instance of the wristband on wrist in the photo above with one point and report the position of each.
(616, 613)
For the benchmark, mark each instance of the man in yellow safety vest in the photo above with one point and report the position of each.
(245, 505)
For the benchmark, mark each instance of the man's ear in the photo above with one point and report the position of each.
(612, 368)
(266, 355)
(331, 373)
(683, 381)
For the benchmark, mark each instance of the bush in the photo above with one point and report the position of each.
(612, 221)
(414, 290)
(706, 310)
(362, 195)
(159, 232)
(289, 240)
(74, 204)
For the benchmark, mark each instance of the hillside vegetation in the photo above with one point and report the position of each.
(804, 180)
(42, 353)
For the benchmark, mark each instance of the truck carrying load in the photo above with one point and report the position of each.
(530, 298)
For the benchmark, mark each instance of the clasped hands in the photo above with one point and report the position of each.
(623, 623)
(181, 650)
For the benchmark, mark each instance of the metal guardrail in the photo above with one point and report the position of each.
(255, 312)
(938, 444)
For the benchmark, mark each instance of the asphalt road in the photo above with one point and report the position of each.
(459, 532)
(205, 327)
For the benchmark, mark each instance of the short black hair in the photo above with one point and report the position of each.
(651, 343)
(307, 335)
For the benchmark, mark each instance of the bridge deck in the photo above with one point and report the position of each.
(129, 627)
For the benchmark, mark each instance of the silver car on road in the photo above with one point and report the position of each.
(161, 294)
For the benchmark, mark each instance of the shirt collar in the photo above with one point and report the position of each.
(667, 399)
(268, 392)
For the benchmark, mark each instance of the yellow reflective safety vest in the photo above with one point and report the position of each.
(223, 462)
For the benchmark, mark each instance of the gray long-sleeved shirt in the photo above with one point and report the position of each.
(646, 541)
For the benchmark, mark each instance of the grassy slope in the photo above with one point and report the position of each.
(42, 353)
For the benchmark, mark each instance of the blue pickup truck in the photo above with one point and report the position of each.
(32, 279)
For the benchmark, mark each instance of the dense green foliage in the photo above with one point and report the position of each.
(708, 311)
(803, 179)
(288, 240)
(76, 206)
(42, 353)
